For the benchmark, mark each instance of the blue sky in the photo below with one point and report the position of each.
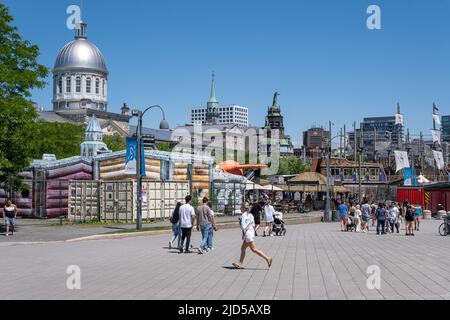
(318, 54)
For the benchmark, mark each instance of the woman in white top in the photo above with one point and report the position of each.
(269, 211)
(358, 215)
(247, 224)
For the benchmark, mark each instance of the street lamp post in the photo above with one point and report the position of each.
(163, 125)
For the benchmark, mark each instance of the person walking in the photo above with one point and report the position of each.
(373, 209)
(175, 221)
(205, 224)
(381, 219)
(247, 224)
(256, 212)
(269, 211)
(366, 215)
(418, 217)
(357, 216)
(9, 215)
(187, 219)
(393, 216)
(409, 219)
(209, 242)
(343, 212)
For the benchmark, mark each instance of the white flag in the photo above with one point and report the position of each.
(401, 160)
(399, 119)
(436, 136)
(439, 158)
(437, 119)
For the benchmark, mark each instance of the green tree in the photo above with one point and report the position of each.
(115, 142)
(60, 139)
(291, 165)
(20, 73)
(163, 146)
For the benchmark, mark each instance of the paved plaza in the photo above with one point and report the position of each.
(313, 261)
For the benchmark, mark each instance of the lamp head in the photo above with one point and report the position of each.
(164, 125)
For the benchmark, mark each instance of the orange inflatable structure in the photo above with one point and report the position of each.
(234, 167)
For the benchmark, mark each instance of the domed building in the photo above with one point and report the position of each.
(80, 75)
(80, 87)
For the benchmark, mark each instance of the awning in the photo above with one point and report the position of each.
(272, 188)
(312, 189)
(253, 186)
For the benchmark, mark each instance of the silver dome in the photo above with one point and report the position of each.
(80, 54)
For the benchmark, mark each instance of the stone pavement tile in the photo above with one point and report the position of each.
(332, 284)
(312, 261)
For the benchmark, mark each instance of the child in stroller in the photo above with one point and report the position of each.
(278, 224)
(350, 224)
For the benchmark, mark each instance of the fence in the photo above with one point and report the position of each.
(116, 200)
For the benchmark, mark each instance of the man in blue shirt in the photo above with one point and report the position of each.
(343, 212)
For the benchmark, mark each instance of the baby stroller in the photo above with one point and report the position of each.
(350, 224)
(278, 224)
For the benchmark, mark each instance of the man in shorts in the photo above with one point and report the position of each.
(343, 212)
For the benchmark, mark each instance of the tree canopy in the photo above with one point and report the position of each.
(60, 139)
(291, 165)
(115, 142)
(20, 73)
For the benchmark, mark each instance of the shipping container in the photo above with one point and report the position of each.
(414, 195)
(438, 193)
(115, 200)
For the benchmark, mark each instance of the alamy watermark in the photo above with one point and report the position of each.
(244, 145)
(374, 277)
(374, 20)
(74, 18)
(73, 282)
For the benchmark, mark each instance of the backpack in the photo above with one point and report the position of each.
(409, 214)
(175, 217)
(381, 214)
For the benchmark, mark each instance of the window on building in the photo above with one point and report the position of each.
(68, 84)
(88, 85)
(60, 85)
(103, 88)
(78, 85)
(97, 86)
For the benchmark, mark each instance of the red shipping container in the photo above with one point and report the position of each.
(414, 195)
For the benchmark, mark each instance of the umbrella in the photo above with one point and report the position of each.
(422, 180)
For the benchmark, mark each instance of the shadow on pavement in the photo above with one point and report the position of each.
(250, 269)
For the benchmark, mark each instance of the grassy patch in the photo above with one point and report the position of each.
(142, 230)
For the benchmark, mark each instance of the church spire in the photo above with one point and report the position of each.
(212, 97)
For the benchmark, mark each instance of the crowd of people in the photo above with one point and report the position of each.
(185, 217)
(386, 218)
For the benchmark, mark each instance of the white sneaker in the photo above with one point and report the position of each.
(7, 234)
(211, 249)
(200, 251)
(271, 235)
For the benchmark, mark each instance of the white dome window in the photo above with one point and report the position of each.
(78, 85)
(97, 86)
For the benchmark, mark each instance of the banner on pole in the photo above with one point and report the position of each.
(401, 160)
(399, 119)
(436, 136)
(437, 119)
(131, 157)
(439, 158)
(408, 177)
